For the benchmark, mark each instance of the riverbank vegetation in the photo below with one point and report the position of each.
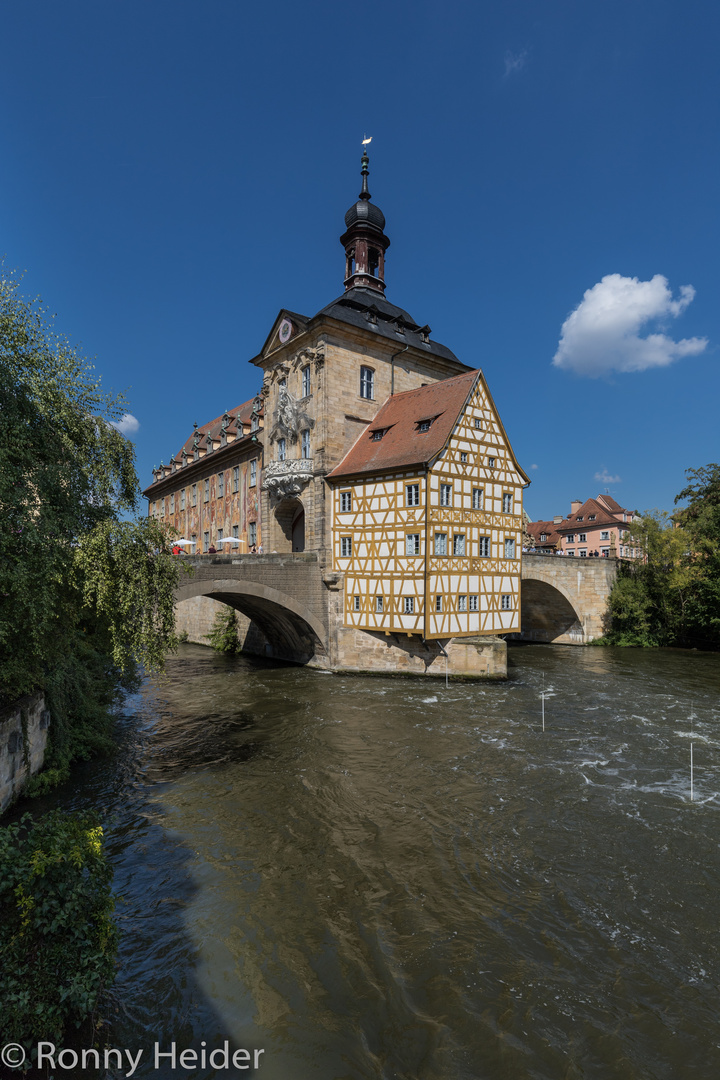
(58, 939)
(671, 596)
(86, 590)
(224, 634)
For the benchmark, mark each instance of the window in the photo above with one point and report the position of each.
(571, 553)
(345, 547)
(206, 541)
(484, 546)
(591, 517)
(252, 533)
(583, 538)
(345, 502)
(604, 535)
(236, 531)
(605, 552)
(253, 472)
(424, 425)
(473, 603)
(543, 537)
(459, 544)
(206, 492)
(507, 504)
(305, 381)
(254, 422)
(491, 463)
(377, 435)
(378, 603)
(571, 538)
(505, 602)
(463, 455)
(282, 449)
(412, 543)
(509, 548)
(194, 543)
(412, 494)
(220, 536)
(236, 478)
(462, 603)
(367, 378)
(477, 498)
(478, 423)
(194, 494)
(438, 603)
(583, 553)
(409, 605)
(182, 499)
(446, 494)
(440, 543)
(172, 504)
(221, 484)
(578, 518)
(356, 603)
(306, 444)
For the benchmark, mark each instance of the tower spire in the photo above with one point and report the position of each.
(364, 241)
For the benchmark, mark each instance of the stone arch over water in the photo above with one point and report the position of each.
(292, 631)
(547, 613)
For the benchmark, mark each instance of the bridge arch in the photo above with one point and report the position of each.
(547, 613)
(293, 632)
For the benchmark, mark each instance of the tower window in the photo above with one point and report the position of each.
(282, 449)
(306, 444)
(367, 380)
(306, 381)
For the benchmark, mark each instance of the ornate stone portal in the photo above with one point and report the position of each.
(286, 479)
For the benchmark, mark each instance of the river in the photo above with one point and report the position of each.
(386, 878)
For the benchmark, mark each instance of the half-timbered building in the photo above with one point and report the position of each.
(427, 516)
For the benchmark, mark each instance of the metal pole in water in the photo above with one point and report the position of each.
(542, 698)
(446, 671)
(692, 793)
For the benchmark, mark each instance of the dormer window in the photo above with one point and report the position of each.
(378, 434)
(424, 332)
(371, 315)
(591, 517)
(578, 519)
(424, 425)
(543, 537)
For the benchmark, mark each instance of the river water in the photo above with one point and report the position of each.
(374, 878)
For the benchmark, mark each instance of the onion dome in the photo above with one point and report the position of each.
(364, 241)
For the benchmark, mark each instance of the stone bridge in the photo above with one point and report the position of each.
(282, 597)
(564, 599)
(290, 610)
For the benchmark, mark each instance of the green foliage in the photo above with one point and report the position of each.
(58, 939)
(84, 594)
(224, 634)
(672, 595)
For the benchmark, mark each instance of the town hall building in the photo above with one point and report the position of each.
(373, 446)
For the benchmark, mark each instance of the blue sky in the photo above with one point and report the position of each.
(174, 173)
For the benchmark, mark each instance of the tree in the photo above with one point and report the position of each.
(671, 596)
(74, 573)
(224, 634)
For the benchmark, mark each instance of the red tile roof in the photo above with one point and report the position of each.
(603, 516)
(536, 529)
(403, 444)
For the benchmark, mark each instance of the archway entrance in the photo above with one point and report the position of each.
(298, 530)
(290, 535)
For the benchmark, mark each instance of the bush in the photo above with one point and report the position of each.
(58, 938)
(224, 634)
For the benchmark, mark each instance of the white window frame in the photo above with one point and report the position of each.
(378, 605)
(507, 500)
(477, 498)
(253, 472)
(236, 478)
(484, 547)
(462, 603)
(306, 381)
(367, 383)
(412, 494)
(473, 603)
(408, 605)
(346, 547)
(446, 494)
(440, 543)
(412, 543)
(305, 444)
(252, 533)
(458, 543)
(509, 547)
(506, 602)
(346, 502)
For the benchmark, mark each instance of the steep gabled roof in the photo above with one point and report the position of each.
(536, 529)
(603, 516)
(402, 443)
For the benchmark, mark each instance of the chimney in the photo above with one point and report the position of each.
(575, 506)
(557, 519)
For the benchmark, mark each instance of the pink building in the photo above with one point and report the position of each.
(596, 527)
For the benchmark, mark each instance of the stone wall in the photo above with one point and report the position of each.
(18, 760)
(564, 600)
(195, 617)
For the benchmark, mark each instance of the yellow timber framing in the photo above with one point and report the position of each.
(381, 520)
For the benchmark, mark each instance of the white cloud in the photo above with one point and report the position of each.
(602, 334)
(533, 466)
(605, 478)
(127, 425)
(514, 62)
